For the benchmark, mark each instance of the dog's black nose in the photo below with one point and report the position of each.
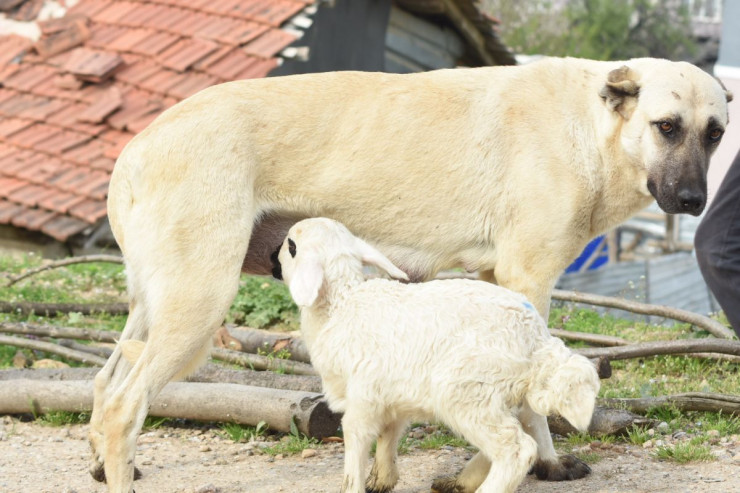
(277, 269)
(691, 201)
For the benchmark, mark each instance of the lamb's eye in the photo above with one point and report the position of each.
(666, 127)
(715, 135)
(291, 247)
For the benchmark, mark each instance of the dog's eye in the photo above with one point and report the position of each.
(666, 127)
(291, 247)
(715, 135)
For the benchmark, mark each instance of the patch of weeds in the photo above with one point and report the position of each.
(240, 433)
(154, 422)
(404, 445)
(725, 424)
(664, 413)
(292, 443)
(440, 439)
(637, 435)
(262, 302)
(583, 438)
(588, 457)
(683, 452)
(63, 418)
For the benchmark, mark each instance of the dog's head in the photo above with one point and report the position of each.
(673, 118)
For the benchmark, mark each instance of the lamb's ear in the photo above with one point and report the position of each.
(621, 90)
(306, 281)
(372, 256)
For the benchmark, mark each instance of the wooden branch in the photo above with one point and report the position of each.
(201, 401)
(253, 340)
(53, 309)
(21, 342)
(664, 347)
(257, 362)
(208, 373)
(605, 421)
(712, 326)
(689, 401)
(64, 262)
(60, 332)
(594, 339)
(103, 352)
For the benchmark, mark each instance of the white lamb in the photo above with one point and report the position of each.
(468, 353)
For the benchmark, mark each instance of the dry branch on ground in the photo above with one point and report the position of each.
(65, 262)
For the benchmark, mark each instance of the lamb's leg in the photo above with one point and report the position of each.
(512, 453)
(360, 429)
(109, 378)
(384, 474)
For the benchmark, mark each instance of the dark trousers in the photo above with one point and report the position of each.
(717, 244)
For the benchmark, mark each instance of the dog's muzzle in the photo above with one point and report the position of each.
(277, 270)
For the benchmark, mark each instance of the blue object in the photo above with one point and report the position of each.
(596, 248)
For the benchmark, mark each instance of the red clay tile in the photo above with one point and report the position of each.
(89, 8)
(56, 43)
(28, 77)
(230, 65)
(86, 153)
(270, 43)
(192, 84)
(113, 151)
(64, 227)
(43, 171)
(9, 126)
(168, 17)
(28, 10)
(136, 104)
(6, 94)
(163, 80)
(58, 60)
(16, 162)
(33, 135)
(8, 210)
(140, 15)
(62, 142)
(33, 219)
(186, 52)
(93, 180)
(70, 180)
(258, 70)
(243, 32)
(8, 70)
(192, 23)
(41, 111)
(10, 185)
(115, 11)
(14, 106)
(30, 195)
(213, 57)
(49, 89)
(277, 12)
(155, 43)
(103, 163)
(6, 150)
(101, 192)
(130, 38)
(134, 74)
(55, 25)
(106, 104)
(116, 137)
(68, 82)
(90, 210)
(102, 35)
(142, 122)
(92, 64)
(13, 46)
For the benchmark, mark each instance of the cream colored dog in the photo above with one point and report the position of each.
(509, 171)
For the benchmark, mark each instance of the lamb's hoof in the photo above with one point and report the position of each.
(447, 485)
(98, 473)
(568, 468)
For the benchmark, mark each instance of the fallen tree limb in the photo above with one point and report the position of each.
(60, 332)
(712, 326)
(257, 362)
(103, 352)
(208, 373)
(689, 401)
(82, 357)
(253, 340)
(594, 339)
(54, 309)
(64, 262)
(605, 421)
(187, 400)
(682, 346)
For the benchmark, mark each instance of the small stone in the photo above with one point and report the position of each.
(647, 444)
(209, 488)
(659, 443)
(680, 435)
(205, 448)
(308, 453)
(146, 462)
(662, 426)
(651, 432)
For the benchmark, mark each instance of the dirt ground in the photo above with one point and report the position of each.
(37, 458)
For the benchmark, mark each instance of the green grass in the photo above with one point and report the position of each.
(241, 433)
(693, 450)
(441, 439)
(291, 445)
(63, 418)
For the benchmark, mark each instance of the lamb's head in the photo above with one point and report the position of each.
(320, 250)
(564, 383)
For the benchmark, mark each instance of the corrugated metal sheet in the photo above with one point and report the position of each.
(414, 45)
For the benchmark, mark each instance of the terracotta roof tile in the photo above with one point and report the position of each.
(230, 65)
(9, 185)
(55, 25)
(8, 126)
(86, 153)
(115, 11)
(103, 163)
(128, 38)
(89, 210)
(8, 70)
(92, 64)
(62, 142)
(8, 210)
(89, 8)
(192, 23)
(16, 104)
(106, 104)
(61, 41)
(93, 180)
(139, 124)
(186, 52)
(258, 70)
(155, 43)
(100, 192)
(64, 227)
(6, 150)
(12, 47)
(14, 163)
(167, 17)
(61, 202)
(213, 57)
(163, 80)
(269, 43)
(43, 171)
(140, 15)
(33, 219)
(35, 134)
(191, 85)
(29, 76)
(44, 108)
(28, 10)
(6, 94)
(67, 118)
(30, 195)
(276, 12)
(136, 104)
(102, 35)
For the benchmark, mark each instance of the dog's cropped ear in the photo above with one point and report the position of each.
(372, 256)
(621, 90)
(306, 281)
(729, 96)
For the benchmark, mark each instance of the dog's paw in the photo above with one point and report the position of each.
(98, 473)
(567, 468)
(447, 484)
